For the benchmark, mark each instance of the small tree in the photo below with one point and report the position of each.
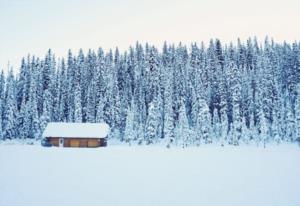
(290, 122)
(130, 133)
(275, 132)
(182, 129)
(224, 126)
(203, 122)
(46, 116)
(151, 124)
(236, 125)
(78, 106)
(263, 129)
(245, 131)
(216, 125)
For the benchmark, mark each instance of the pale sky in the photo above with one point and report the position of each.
(33, 26)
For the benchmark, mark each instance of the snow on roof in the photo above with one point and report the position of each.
(81, 130)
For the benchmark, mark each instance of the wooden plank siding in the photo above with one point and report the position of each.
(74, 142)
(78, 142)
(54, 141)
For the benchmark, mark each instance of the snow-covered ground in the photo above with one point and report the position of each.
(31, 175)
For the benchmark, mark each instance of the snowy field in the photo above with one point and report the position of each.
(31, 175)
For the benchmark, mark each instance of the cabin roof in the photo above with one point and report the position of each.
(79, 130)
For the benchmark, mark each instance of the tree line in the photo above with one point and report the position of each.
(230, 94)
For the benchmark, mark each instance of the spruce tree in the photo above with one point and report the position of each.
(297, 114)
(224, 125)
(10, 109)
(203, 123)
(130, 133)
(46, 116)
(151, 124)
(182, 129)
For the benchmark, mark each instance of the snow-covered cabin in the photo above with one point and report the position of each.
(63, 134)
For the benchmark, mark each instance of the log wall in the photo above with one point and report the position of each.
(79, 142)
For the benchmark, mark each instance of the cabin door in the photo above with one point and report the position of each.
(61, 142)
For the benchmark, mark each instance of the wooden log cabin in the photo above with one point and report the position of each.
(61, 134)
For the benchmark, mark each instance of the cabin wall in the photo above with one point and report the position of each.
(79, 142)
(54, 141)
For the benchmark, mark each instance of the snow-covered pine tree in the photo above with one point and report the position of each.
(139, 94)
(297, 114)
(213, 69)
(130, 132)
(182, 130)
(55, 87)
(290, 122)
(1, 130)
(224, 125)
(81, 86)
(168, 112)
(78, 107)
(100, 112)
(77, 89)
(216, 126)
(236, 125)
(263, 129)
(71, 71)
(204, 123)
(46, 116)
(91, 102)
(269, 91)
(21, 83)
(47, 71)
(63, 93)
(152, 75)
(10, 109)
(275, 130)
(235, 90)
(245, 131)
(35, 131)
(251, 129)
(23, 122)
(179, 77)
(2, 96)
(112, 105)
(151, 124)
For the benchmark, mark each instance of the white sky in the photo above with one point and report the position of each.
(33, 26)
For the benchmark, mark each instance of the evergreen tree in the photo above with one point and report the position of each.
(182, 129)
(78, 107)
(10, 109)
(168, 113)
(235, 88)
(297, 114)
(263, 129)
(151, 124)
(290, 122)
(1, 130)
(224, 125)
(63, 93)
(216, 127)
(35, 131)
(23, 120)
(100, 112)
(203, 123)
(46, 116)
(130, 133)
(275, 130)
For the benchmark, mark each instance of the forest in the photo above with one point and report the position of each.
(237, 93)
